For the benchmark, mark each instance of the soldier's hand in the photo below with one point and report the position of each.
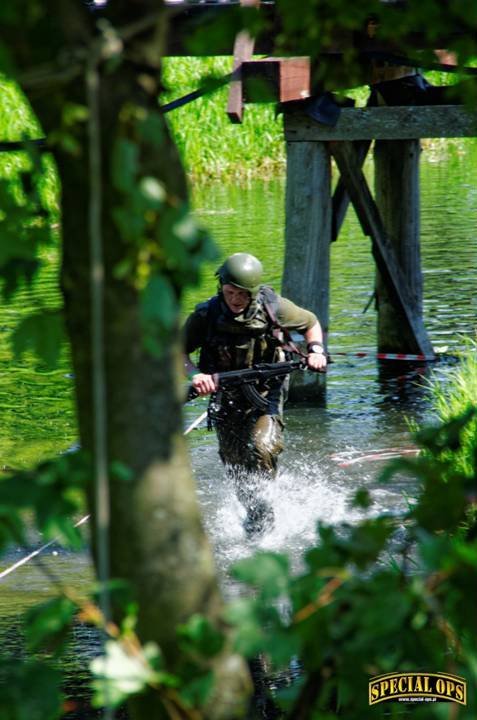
(203, 384)
(316, 362)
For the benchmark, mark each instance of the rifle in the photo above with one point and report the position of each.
(248, 379)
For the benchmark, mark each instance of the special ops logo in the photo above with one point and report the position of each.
(417, 687)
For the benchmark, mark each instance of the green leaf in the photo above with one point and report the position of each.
(159, 312)
(125, 165)
(56, 520)
(131, 223)
(447, 435)
(52, 493)
(200, 636)
(441, 506)
(152, 129)
(73, 113)
(362, 499)
(47, 625)
(248, 635)
(43, 333)
(282, 646)
(122, 472)
(196, 692)
(368, 539)
(30, 690)
(18, 491)
(12, 528)
(267, 571)
(159, 303)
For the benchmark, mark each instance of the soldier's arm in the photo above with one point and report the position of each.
(293, 317)
(195, 332)
(314, 344)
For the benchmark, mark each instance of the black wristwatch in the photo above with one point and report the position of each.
(315, 347)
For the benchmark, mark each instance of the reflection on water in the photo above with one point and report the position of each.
(368, 406)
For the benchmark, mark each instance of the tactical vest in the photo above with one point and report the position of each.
(234, 342)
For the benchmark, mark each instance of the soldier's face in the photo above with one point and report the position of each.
(236, 299)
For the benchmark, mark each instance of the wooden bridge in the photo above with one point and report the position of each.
(313, 214)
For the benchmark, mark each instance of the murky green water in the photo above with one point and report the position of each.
(366, 407)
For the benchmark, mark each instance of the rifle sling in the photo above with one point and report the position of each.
(289, 346)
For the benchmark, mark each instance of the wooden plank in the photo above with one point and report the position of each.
(243, 49)
(341, 198)
(294, 79)
(276, 79)
(386, 123)
(383, 250)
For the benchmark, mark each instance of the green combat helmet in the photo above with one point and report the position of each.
(242, 270)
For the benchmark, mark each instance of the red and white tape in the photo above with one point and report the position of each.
(391, 356)
(345, 458)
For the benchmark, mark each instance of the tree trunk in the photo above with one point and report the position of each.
(157, 540)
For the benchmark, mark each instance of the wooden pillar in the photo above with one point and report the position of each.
(397, 197)
(307, 241)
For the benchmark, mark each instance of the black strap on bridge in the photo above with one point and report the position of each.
(16, 145)
(214, 84)
(417, 63)
(210, 86)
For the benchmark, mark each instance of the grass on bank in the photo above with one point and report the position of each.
(211, 146)
(18, 122)
(451, 400)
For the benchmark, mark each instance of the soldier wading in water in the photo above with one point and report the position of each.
(245, 324)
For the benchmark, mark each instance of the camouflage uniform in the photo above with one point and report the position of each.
(250, 439)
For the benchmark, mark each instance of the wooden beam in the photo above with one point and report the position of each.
(386, 123)
(243, 49)
(396, 188)
(276, 79)
(383, 250)
(341, 197)
(306, 275)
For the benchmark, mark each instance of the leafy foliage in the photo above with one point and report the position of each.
(53, 491)
(30, 690)
(128, 668)
(119, 673)
(164, 245)
(24, 226)
(42, 333)
(352, 613)
(48, 624)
